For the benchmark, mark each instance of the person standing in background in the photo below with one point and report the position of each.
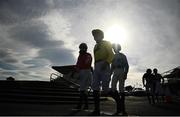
(149, 85)
(158, 86)
(119, 69)
(83, 66)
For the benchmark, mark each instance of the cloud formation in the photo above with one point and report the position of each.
(36, 34)
(28, 42)
(18, 11)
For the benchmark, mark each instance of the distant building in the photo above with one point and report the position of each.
(10, 79)
(173, 80)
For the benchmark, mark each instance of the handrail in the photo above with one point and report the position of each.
(71, 82)
(51, 79)
(75, 84)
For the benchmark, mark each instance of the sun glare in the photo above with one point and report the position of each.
(116, 34)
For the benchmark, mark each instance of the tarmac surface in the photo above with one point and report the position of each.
(135, 106)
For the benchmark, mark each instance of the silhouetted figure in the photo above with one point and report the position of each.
(119, 69)
(83, 66)
(149, 85)
(158, 87)
(101, 77)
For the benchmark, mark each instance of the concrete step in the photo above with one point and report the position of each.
(43, 99)
(35, 92)
(42, 84)
(65, 89)
(38, 97)
(53, 102)
(62, 92)
(47, 86)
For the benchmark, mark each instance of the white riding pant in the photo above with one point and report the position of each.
(85, 79)
(118, 76)
(101, 77)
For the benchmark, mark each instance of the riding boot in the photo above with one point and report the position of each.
(96, 96)
(123, 104)
(79, 105)
(153, 100)
(162, 97)
(157, 98)
(85, 101)
(149, 99)
(115, 95)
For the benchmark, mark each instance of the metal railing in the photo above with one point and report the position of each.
(52, 79)
(54, 74)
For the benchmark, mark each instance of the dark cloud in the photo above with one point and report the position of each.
(10, 60)
(7, 66)
(58, 56)
(8, 73)
(34, 34)
(7, 56)
(13, 11)
(69, 4)
(7, 60)
(29, 32)
(3, 53)
(24, 72)
(35, 63)
(5, 74)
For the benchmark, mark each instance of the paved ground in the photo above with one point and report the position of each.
(136, 106)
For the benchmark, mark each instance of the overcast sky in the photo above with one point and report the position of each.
(36, 34)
